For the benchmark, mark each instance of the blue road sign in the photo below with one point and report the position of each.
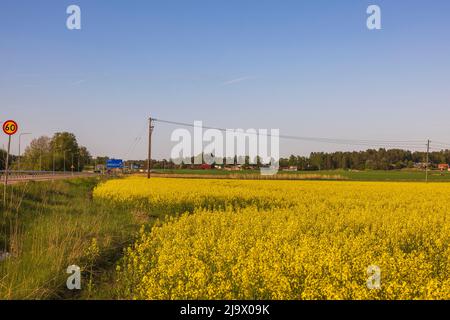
(114, 164)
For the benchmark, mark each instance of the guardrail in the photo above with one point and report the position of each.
(30, 175)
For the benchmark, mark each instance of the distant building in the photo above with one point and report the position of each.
(290, 169)
(233, 168)
(443, 167)
(420, 165)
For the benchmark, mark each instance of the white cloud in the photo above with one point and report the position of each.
(237, 80)
(76, 83)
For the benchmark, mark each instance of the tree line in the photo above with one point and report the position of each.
(59, 152)
(44, 151)
(371, 159)
(381, 159)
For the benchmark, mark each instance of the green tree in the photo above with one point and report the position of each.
(64, 146)
(37, 155)
(83, 158)
(59, 152)
(2, 159)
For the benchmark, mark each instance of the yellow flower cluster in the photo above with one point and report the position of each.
(286, 239)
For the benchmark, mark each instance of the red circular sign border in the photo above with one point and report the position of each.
(15, 123)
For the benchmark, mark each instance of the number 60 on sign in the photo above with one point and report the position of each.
(10, 127)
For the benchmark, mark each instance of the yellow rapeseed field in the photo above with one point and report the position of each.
(241, 239)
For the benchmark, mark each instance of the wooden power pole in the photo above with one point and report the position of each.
(150, 131)
(428, 160)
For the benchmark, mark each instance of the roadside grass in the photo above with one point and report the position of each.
(48, 226)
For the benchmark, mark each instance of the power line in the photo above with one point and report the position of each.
(373, 143)
(390, 143)
(136, 141)
(438, 149)
(441, 144)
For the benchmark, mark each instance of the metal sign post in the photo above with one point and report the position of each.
(6, 171)
(10, 128)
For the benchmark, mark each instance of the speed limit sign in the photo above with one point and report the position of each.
(10, 127)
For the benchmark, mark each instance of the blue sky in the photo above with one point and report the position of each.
(309, 68)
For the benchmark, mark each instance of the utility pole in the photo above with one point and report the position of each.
(65, 161)
(40, 159)
(150, 131)
(54, 147)
(428, 160)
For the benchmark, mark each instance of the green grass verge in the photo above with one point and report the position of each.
(366, 175)
(48, 226)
